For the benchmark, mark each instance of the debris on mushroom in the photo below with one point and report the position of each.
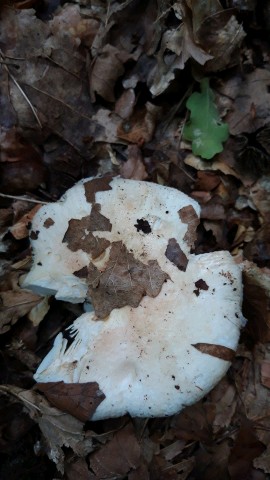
(165, 322)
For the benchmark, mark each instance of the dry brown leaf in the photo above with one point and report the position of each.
(15, 24)
(206, 181)
(250, 101)
(214, 166)
(195, 423)
(217, 229)
(256, 306)
(38, 312)
(263, 461)
(21, 228)
(265, 373)
(124, 282)
(224, 397)
(175, 254)
(177, 46)
(21, 165)
(254, 395)
(14, 305)
(76, 238)
(68, 23)
(125, 104)
(107, 67)
(79, 399)
(246, 448)
(107, 126)
(221, 36)
(258, 249)
(260, 194)
(213, 210)
(59, 429)
(172, 450)
(119, 456)
(139, 128)
(77, 469)
(6, 216)
(53, 80)
(218, 351)
(141, 473)
(189, 216)
(212, 461)
(134, 167)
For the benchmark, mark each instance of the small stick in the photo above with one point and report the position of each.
(25, 199)
(21, 90)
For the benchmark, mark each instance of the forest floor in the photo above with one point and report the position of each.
(94, 86)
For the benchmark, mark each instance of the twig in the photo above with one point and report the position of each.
(22, 91)
(25, 199)
(60, 101)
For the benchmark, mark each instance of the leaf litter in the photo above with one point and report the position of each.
(97, 87)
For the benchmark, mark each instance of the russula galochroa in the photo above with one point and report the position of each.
(165, 322)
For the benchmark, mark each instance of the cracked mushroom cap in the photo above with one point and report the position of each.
(165, 322)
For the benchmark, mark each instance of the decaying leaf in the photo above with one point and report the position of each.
(259, 194)
(139, 128)
(21, 165)
(110, 461)
(218, 351)
(107, 68)
(177, 46)
(188, 215)
(21, 228)
(14, 305)
(79, 81)
(124, 282)
(256, 304)
(80, 400)
(247, 447)
(134, 168)
(263, 461)
(204, 128)
(175, 254)
(59, 429)
(68, 23)
(125, 104)
(249, 101)
(258, 249)
(221, 35)
(255, 395)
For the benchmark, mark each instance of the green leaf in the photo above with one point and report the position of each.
(204, 128)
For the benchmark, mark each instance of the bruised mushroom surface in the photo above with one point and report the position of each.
(166, 322)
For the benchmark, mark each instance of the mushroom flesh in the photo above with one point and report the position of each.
(165, 322)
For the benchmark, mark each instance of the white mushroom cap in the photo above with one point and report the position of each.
(172, 319)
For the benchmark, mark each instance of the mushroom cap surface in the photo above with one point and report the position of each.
(166, 322)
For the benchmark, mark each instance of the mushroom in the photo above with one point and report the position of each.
(165, 322)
